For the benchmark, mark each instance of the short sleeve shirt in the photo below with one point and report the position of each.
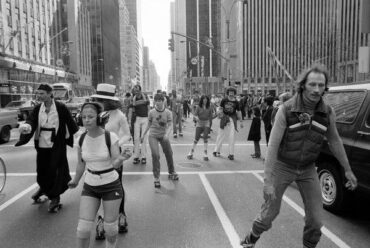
(229, 107)
(96, 155)
(159, 122)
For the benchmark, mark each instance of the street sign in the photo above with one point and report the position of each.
(194, 60)
(59, 62)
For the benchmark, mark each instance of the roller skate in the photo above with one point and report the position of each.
(100, 233)
(205, 157)
(190, 155)
(173, 176)
(136, 160)
(216, 154)
(122, 223)
(249, 241)
(36, 196)
(157, 183)
(55, 205)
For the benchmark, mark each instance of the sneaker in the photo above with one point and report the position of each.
(100, 233)
(190, 156)
(157, 183)
(205, 158)
(175, 135)
(247, 243)
(231, 157)
(143, 161)
(180, 134)
(136, 160)
(122, 223)
(173, 176)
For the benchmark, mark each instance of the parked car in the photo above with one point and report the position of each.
(8, 120)
(351, 104)
(24, 107)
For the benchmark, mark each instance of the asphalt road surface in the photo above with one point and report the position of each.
(212, 205)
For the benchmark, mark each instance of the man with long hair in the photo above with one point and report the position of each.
(301, 124)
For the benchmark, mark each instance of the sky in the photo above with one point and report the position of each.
(156, 30)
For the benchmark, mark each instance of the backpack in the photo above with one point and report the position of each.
(107, 140)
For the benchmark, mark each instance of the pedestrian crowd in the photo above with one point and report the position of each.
(295, 127)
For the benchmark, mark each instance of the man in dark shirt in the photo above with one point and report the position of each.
(229, 113)
(140, 108)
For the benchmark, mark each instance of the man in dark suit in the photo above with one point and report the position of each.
(52, 126)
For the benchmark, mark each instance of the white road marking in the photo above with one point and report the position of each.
(334, 238)
(151, 173)
(172, 144)
(225, 221)
(18, 196)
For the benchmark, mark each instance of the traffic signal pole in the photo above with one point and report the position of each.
(203, 44)
(208, 46)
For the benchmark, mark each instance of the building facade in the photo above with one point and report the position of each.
(194, 65)
(105, 41)
(281, 38)
(123, 24)
(38, 45)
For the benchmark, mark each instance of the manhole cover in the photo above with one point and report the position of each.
(189, 165)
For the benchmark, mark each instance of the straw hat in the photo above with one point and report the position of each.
(106, 91)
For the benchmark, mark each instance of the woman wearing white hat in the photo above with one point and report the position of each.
(117, 124)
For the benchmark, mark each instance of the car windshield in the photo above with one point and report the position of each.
(60, 94)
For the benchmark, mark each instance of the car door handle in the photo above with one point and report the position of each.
(363, 133)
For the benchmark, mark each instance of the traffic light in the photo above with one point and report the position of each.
(171, 45)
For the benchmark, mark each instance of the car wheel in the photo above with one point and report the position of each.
(5, 134)
(333, 193)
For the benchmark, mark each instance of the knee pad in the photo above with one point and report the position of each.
(84, 228)
(111, 229)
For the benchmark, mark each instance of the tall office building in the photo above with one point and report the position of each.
(105, 41)
(178, 56)
(194, 65)
(154, 79)
(134, 8)
(146, 82)
(41, 42)
(281, 38)
(123, 24)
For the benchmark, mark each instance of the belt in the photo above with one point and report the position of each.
(100, 172)
(52, 130)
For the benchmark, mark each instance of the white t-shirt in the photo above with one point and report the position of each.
(95, 153)
(118, 124)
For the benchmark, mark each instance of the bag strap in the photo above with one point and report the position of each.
(107, 140)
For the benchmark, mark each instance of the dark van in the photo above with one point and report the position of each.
(351, 104)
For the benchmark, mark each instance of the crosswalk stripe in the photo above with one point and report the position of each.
(224, 219)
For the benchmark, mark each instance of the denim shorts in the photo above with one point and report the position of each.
(106, 192)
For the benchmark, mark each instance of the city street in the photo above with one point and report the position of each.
(212, 205)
